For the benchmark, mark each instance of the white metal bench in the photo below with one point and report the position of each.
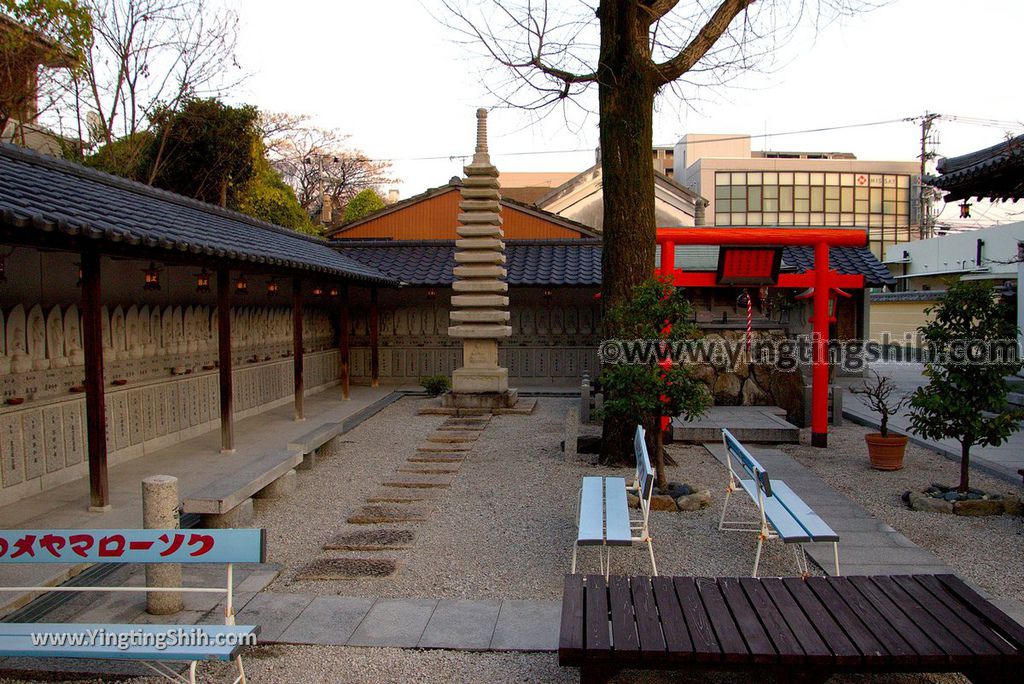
(149, 644)
(782, 513)
(603, 517)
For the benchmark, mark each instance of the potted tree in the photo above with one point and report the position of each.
(637, 388)
(972, 341)
(884, 450)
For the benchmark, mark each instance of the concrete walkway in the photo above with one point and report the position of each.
(195, 462)
(1002, 461)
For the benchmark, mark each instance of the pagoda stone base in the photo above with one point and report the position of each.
(480, 400)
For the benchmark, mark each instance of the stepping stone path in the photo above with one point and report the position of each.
(406, 497)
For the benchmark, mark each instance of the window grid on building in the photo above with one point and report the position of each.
(806, 198)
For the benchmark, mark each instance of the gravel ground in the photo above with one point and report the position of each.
(504, 530)
(313, 664)
(996, 543)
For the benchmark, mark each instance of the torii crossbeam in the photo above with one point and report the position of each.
(821, 278)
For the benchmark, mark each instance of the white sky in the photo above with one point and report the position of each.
(394, 78)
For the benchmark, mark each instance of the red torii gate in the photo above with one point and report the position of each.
(821, 278)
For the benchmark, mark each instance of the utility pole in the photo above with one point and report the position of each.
(926, 196)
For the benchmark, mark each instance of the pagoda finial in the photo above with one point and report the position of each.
(481, 137)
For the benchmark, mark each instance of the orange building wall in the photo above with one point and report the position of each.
(437, 217)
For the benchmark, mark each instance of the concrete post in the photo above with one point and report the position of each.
(160, 512)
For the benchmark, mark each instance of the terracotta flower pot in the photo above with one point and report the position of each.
(886, 453)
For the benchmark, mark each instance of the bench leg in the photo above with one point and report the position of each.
(835, 551)
(650, 550)
(575, 547)
(725, 508)
(192, 672)
(757, 555)
(241, 671)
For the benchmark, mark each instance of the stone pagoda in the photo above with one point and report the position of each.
(480, 301)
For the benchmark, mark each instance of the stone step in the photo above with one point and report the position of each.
(410, 481)
(476, 427)
(439, 457)
(523, 407)
(443, 447)
(372, 514)
(348, 568)
(452, 437)
(399, 495)
(372, 540)
(435, 470)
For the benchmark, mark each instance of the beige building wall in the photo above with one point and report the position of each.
(898, 319)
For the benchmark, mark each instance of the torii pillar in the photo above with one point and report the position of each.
(480, 302)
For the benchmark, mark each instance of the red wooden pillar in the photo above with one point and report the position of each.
(95, 401)
(297, 345)
(819, 367)
(343, 324)
(668, 258)
(374, 338)
(224, 365)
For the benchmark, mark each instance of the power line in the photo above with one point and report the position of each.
(453, 157)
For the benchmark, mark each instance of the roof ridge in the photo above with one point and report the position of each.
(89, 173)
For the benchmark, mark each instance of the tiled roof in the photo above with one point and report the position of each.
(50, 195)
(560, 262)
(995, 172)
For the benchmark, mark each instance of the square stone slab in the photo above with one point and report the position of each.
(273, 612)
(527, 626)
(390, 513)
(327, 620)
(461, 624)
(410, 481)
(348, 568)
(372, 540)
(397, 623)
(459, 427)
(442, 447)
(398, 495)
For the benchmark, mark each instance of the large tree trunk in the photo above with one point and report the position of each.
(626, 99)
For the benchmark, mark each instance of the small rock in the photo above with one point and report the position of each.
(905, 496)
(922, 502)
(680, 490)
(978, 507)
(663, 502)
(951, 496)
(694, 502)
(632, 501)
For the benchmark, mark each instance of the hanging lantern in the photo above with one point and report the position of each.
(78, 283)
(151, 277)
(203, 281)
(548, 294)
(273, 287)
(431, 293)
(333, 291)
(317, 291)
(241, 285)
(965, 210)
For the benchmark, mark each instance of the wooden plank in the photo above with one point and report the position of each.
(842, 647)
(812, 523)
(968, 629)
(734, 649)
(787, 645)
(900, 651)
(648, 626)
(673, 624)
(956, 651)
(570, 634)
(1009, 628)
(928, 653)
(625, 641)
(616, 512)
(591, 527)
(596, 639)
(861, 636)
(706, 646)
(761, 648)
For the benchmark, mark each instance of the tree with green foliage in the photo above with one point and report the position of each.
(266, 196)
(52, 33)
(363, 204)
(642, 392)
(972, 340)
